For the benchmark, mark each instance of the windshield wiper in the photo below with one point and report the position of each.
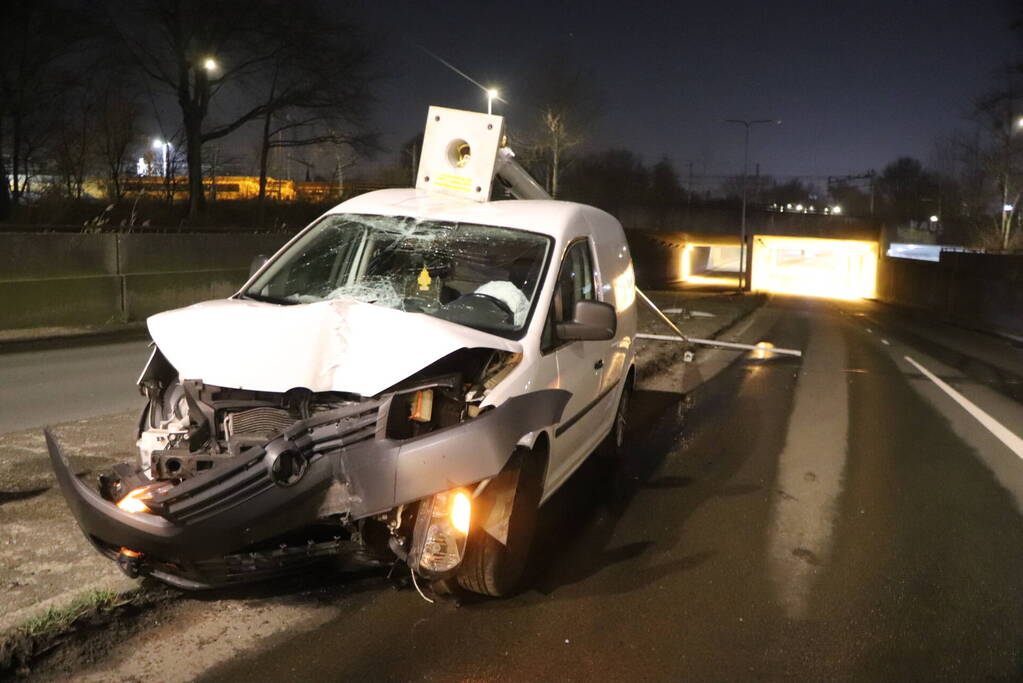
(268, 299)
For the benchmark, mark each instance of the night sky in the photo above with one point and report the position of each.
(856, 84)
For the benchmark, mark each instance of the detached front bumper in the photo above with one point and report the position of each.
(347, 465)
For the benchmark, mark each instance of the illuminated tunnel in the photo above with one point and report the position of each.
(840, 269)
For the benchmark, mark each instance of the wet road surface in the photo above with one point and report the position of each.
(838, 517)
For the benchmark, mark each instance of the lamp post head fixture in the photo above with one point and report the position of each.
(209, 64)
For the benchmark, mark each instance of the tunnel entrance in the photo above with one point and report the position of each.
(710, 264)
(840, 269)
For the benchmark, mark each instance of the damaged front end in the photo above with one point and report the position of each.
(237, 485)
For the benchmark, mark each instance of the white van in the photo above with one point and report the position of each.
(407, 380)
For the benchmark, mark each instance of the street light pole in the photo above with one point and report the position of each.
(747, 124)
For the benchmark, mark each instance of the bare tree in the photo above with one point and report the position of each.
(1000, 149)
(565, 110)
(116, 128)
(980, 180)
(69, 147)
(196, 49)
(38, 43)
(224, 51)
(317, 90)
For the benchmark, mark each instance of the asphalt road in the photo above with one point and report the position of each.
(60, 384)
(839, 517)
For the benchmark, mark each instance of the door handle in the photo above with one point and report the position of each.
(599, 364)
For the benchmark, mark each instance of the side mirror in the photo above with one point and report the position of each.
(256, 263)
(591, 321)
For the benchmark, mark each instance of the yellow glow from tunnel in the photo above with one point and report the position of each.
(708, 280)
(837, 269)
(716, 257)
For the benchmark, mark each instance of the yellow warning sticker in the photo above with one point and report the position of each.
(449, 181)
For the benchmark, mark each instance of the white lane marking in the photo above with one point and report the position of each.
(1000, 432)
(886, 342)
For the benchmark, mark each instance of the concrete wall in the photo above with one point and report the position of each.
(54, 279)
(655, 258)
(982, 291)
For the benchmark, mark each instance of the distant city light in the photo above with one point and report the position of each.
(799, 207)
(836, 209)
(157, 143)
(934, 219)
(1007, 207)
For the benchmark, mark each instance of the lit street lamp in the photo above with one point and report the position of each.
(165, 146)
(491, 96)
(209, 64)
(745, 172)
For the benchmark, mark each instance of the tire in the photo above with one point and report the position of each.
(618, 429)
(613, 447)
(491, 568)
(614, 456)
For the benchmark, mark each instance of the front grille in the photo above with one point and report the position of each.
(236, 481)
(223, 488)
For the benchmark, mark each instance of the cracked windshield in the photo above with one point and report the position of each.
(480, 276)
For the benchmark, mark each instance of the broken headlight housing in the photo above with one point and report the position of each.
(442, 528)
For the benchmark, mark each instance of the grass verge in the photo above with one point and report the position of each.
(24, 645)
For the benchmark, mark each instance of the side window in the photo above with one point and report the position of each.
(575, 283)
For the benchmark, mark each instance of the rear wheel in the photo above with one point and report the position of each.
(614, 449)
(494, 568)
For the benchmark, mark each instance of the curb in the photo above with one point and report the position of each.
(45, 338)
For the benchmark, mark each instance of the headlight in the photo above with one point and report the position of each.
(442, 529)
(135, 500)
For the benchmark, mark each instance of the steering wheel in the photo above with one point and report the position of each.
(504, 308)
(418, 304)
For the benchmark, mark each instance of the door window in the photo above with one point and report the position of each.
(575, 283)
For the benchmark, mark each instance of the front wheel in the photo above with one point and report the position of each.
(491, 567)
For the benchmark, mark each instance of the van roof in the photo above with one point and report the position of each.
(549, 216)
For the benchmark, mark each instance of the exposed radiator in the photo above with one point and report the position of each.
(262, 421)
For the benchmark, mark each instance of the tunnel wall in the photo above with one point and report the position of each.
(56, 279)
(656, 259)
(982, 291)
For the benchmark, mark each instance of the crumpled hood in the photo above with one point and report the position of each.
(340, 345)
